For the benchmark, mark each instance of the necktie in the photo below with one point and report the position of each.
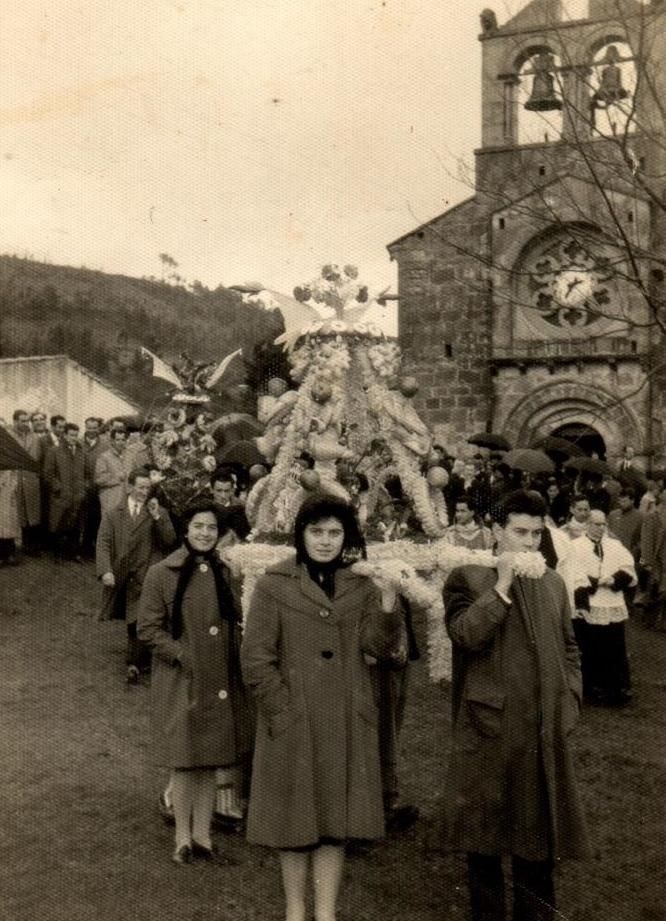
(598, 549)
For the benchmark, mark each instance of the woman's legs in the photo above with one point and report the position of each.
(182, 789)
(203, 805)
(327, 866)
(294, 866)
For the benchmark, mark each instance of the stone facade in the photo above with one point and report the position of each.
(484, 320)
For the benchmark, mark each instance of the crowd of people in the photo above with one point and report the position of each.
(302, 713)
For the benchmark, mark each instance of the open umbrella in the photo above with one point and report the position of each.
(241, 452)
(634, 479)
(490, 440)
(528, 460)
(13, 456)
(560, 446)
(589, 465)
(235, 427)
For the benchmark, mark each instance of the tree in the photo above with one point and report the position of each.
(168, 262)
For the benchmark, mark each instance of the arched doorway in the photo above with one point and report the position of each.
(586, 437)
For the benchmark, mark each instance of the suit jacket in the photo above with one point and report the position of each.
(126, 547)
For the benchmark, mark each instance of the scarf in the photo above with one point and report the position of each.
(225, 599)
(323, 574)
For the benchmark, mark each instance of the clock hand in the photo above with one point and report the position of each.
(573, 284)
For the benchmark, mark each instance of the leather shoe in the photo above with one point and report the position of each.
(402, 818)
(133, 674)
(211, 855)
(182, 855)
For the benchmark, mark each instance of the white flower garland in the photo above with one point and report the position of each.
(416, 571)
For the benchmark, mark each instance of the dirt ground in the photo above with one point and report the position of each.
(82, 838)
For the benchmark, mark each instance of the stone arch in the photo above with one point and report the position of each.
(553, 405)
(601, 38)
(529, 51)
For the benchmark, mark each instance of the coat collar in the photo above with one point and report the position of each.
(345, 580)
(176, 560)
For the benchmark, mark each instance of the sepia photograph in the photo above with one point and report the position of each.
(333, 460)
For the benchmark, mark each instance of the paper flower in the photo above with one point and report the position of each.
(529, 564)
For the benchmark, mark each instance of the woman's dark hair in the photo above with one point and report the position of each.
(520, 502)
(202, 505)
(316, 508)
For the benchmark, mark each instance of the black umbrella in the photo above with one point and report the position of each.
(634, 479)
(589, 465)
(234, 427)
(560, 446)
(529, 460)
(241, 452)
(490, 440)
(13, 456)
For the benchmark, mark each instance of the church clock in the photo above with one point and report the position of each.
(569, 285)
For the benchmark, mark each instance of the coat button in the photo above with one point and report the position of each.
(324, 613)
(327, 654)
(214, 630)
(222, 695)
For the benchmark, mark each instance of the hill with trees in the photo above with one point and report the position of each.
(102, 320)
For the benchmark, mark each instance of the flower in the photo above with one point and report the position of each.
(529, 564)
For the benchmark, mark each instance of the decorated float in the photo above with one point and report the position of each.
(349, 414)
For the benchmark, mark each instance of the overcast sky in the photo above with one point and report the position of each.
(249, 139)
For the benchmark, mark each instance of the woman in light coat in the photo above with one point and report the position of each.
(316, 779)
(188, 616)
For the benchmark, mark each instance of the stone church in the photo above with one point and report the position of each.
(534, 307)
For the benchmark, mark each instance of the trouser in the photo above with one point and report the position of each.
(138, 654)
(91, 515)
(533, 888)
(65, 543)
(7, 548)
(392, 685)
(32, 538)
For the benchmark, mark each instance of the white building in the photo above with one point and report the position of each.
(56, 384)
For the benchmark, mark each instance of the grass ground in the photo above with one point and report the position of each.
(81, 838)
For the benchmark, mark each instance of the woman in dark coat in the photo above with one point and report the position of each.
(188, 617)
(316, 778)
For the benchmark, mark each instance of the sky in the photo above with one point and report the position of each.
(251, 140)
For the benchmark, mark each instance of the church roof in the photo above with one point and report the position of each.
(450, 212)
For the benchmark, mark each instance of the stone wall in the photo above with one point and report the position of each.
(531, 403)
(444, 323)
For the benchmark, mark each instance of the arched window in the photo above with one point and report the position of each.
(539, 97)
(612, 88)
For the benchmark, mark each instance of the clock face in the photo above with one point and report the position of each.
(569, 285)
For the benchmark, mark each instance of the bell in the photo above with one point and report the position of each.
(543, 97)
(610, 86)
